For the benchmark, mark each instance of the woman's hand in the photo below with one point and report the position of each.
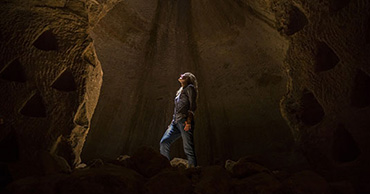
(187, 126)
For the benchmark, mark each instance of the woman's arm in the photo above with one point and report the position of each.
(191, 93)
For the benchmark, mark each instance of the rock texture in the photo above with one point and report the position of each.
(236, 54)
(50, 81)
(327, 104)
(116, 179)
(244, 68)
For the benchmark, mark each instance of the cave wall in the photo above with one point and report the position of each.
(327, 104)
(320, 58)
(50, 81)
(232, 48)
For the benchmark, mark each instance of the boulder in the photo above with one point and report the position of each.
(213, 179)
(122, 160)
(110, 179)
(306, 182)
(179, 163)
(258, 183)
(243, 168)
(168, 182)
(149, 162)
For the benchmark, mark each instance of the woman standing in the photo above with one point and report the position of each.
(182, 123)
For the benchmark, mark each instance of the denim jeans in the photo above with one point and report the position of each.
(174, 131)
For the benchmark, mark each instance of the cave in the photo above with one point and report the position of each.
(88, 90)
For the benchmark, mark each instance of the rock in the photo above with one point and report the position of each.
(107, 179)
(168, 182)
(96, 163)
(342, 187)
(179, 163)
(213, 179)
(306, 182)
(257, 183)
(51, 164)
(123, 160)
(53, 40)
(280, 174)
(229, 164)
(193, 174)
(35, 184)
(243, 168)
(149, 162)
(81, 166)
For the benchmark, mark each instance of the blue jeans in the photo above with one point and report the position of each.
(174, 131)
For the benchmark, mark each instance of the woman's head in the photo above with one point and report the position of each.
(188, 78)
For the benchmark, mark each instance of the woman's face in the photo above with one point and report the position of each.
(183, 79)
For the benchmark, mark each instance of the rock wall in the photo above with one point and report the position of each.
(236, 54)
(50, 81)
(242, 65)
(327, 104)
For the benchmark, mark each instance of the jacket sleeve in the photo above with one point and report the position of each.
(192, 95)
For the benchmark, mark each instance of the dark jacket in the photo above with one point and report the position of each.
(185, 102)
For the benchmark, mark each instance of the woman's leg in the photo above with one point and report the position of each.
(188, 143)
(172, 134)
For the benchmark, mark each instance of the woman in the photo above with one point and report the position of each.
(183, 119)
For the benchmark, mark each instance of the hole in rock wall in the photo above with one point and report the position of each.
(345, 148)
(46, 41)
(312, 111)
(14, 72)
(9, 151)
(65, 82)
(34, 107)
(297, 21)
(336, 5)
(326, 59)
(361, 90)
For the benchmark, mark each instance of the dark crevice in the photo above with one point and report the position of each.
(336, 5)
(34, 107)
(312, 111)
(14, 72)
(361, 90)
(345, 148)
(46, 41)
(65, 82)
(297, 21)
(326, 59)
(9, 150)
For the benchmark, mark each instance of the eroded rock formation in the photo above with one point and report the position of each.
(50, 81)
(327, 100)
